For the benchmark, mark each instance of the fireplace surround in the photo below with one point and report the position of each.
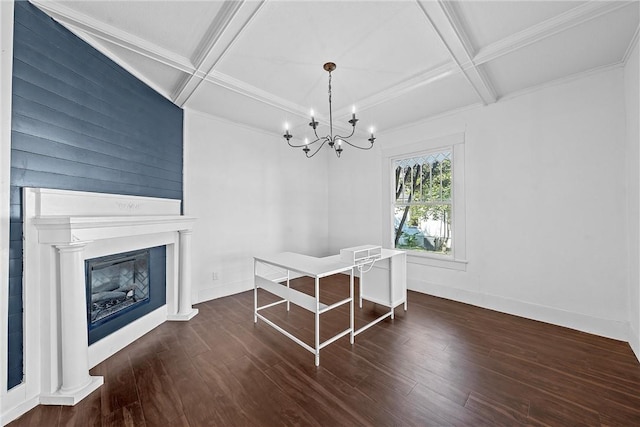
(62, 230)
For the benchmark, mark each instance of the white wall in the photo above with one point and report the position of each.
(545, 204)
(252, 194)
(631, 90)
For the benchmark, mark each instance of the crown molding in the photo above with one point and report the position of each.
(105, 50)
(83, 23)
(232, 20)
(576, 16)
(444, 114)
(211, 116)
(526, 91)
(563, 80)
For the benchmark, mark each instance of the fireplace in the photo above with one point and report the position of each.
(122, 288)
(116, 284)
(108, 242)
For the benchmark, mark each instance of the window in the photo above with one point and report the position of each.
(422, 211)
(424, 203)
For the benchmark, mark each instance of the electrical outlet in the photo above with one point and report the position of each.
(214, 275)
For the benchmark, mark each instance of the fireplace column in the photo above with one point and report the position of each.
(185, 310)
(76, 381)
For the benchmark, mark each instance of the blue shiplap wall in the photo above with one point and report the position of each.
(80, 122)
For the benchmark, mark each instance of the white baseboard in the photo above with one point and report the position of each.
(604, 327)
(208, 294)
(18, 410)
(634, 341)
(224, 290)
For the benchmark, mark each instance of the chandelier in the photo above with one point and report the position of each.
(334, 141)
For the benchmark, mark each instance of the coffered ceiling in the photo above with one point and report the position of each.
(260, 62)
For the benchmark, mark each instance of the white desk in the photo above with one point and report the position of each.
(308, 266)
(384, 283)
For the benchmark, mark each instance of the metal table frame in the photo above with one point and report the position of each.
(308, 266)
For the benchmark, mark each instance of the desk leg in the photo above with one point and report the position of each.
(317, 321)
(351, 321)
(360, 287)
(288, 286)
(255, 292)
(391, 287)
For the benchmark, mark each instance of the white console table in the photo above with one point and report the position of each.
(382, 281)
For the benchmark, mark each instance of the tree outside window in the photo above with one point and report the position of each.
(422, 208)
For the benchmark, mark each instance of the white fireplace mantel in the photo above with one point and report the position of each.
(70, 229)
(61, 230)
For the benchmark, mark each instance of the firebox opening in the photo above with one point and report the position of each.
(116, 283)
(123, 287)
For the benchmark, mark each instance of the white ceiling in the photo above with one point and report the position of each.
(399, 62)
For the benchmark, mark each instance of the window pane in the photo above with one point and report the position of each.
(424, 228)
(423, 178)
(422, 211)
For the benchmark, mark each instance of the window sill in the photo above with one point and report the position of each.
(432, 260)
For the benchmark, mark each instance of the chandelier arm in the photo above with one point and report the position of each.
(357, 146)
(303, 144)
(324, 141)
(353, 130)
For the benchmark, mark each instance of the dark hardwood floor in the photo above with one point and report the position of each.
(440, 363)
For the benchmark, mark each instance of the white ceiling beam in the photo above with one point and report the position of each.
(249, 91)
(81, 22)
(456, 43)
(477, 76)
(632, 45)
(408, 85)
(575, 16)
(225, 29)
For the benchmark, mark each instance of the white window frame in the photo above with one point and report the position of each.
(455, 143)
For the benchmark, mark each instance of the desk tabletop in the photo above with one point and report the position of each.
(313, 266)
(305, 264)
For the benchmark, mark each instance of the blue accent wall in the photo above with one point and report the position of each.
(79, 122)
